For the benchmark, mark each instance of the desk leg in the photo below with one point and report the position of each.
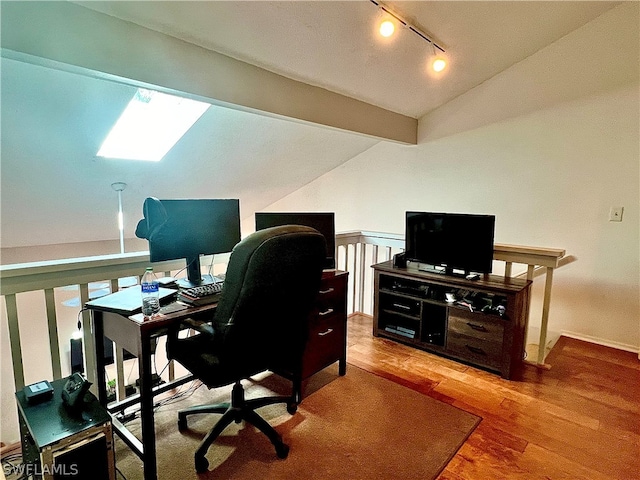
(146, 409)
(98, 334)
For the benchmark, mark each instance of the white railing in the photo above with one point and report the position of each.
(356, 252)
(48, 275)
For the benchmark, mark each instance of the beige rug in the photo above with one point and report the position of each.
(359, 426)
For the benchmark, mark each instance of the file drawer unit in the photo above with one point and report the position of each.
(484, 327)
(327, 332)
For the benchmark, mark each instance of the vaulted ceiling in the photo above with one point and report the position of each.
(55, 189)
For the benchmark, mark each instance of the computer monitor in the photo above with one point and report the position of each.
(188, 228)
(323, 222)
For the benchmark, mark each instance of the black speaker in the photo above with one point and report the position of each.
(400, 260)
(77, 359)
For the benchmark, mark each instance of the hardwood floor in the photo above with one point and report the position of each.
(580, 420)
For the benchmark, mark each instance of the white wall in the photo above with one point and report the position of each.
(549, 175)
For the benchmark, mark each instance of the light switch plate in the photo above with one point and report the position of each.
(615, 214)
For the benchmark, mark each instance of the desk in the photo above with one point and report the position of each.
(135, 334)
(327, 343)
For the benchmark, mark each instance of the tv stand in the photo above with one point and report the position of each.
(482, 324)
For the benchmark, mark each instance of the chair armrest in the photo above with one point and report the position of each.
(202, 327)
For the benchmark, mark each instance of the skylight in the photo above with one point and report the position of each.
(150, 126)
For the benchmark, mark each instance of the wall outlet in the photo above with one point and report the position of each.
(615, 214)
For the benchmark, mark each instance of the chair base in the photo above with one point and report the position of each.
(238, 410)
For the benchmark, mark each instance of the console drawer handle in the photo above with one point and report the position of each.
(328, 290)
(475, 326)
(476, 350)
(326, 312)
(399, 305)
(327, 332)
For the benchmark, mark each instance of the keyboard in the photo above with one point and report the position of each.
(201, 294)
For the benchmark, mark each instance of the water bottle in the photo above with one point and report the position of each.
(150, 293)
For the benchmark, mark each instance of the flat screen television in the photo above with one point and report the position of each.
(451, 242)
(188, 228)
(323, 222)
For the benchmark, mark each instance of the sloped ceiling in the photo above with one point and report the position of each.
(55, 190)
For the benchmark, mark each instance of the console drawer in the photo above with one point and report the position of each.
(475, 325)
(475, 337)
(480, 352)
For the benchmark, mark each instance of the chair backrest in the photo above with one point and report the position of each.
(271, 283)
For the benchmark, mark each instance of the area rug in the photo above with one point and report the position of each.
(359, 426)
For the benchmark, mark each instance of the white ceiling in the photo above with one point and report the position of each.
(334, 44)
(54, 189)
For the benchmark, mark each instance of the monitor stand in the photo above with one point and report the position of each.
(194, 277)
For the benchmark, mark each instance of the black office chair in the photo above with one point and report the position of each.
(272, 279)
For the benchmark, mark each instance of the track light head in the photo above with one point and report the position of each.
(387, 28)
(439, 64)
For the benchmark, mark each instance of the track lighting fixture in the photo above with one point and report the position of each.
(387, 28)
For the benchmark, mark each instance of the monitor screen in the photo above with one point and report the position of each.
(189, 228)
(453, 241)
(322, 222)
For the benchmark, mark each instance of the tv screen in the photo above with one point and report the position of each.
(451, 241)
(322, 222)
(188, 228)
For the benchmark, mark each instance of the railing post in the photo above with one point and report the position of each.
(363, 254)
(118, 357)
(542, 348)
(508, 266)
(87, 338)
(54, 341)
(14, 338)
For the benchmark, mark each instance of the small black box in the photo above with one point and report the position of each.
(400, 260)
(38, 392)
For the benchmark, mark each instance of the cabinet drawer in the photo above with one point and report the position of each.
(325, 343)
(475, 337)
(331, 298)
(402, 305)
(480, 352)
(475, 325)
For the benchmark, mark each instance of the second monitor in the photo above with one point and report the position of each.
(323, 222)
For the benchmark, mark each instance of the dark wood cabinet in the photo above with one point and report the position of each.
(481, 322)
(327, 338)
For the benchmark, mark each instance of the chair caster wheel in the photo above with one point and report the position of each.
(282, 450)
(182, 424)
(292, 407)
(202, 464)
